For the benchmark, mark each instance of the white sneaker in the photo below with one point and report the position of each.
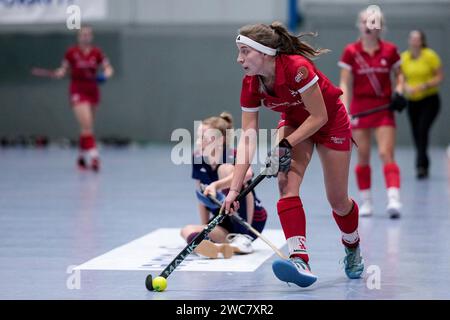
(394, 204)
(242, 243)
(393, 208)
(366, 209)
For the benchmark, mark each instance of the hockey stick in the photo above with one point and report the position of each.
(248, 226)
(371, 111)
(202, 235)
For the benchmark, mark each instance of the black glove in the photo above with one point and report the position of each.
(279, 159)
(398, 102)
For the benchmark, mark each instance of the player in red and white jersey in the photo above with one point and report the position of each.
(280, 76)
(367, 66)
(84, 61)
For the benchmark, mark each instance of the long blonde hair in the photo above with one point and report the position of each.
(278, 37)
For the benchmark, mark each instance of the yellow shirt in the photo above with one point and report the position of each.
(420, 70)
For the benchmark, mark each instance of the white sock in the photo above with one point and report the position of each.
(393, 194)
(93, 153)
(366, 195)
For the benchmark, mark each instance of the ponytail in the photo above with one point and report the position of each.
(278, 37)
(291, 44)
(228, 118)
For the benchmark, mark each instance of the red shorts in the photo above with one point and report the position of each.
(375, 120)
(84, 93)
(336, 134)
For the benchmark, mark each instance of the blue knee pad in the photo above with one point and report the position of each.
(207, 202)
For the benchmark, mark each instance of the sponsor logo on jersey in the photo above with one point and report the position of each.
(372, 70)
(273, 105)
(294, 93)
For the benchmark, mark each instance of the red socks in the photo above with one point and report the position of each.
(363, 177)
(349, 227)
(293, 222)
(87, 142)
(392, 175)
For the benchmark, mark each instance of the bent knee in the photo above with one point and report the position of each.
(386, 156)
(187, 230)
(341, 205)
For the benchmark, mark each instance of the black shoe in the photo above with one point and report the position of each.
(95, 164)
(422, 173)
(81, 163)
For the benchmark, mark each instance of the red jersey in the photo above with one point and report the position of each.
(372, 86)
(83, 66)
(294, 74)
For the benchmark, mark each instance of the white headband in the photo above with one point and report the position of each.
(256, 45)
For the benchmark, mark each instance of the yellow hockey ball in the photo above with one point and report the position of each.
(159, 284)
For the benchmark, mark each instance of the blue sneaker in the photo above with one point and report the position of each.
(294, 270)
(354, 263)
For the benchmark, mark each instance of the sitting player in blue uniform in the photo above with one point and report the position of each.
(213, 165)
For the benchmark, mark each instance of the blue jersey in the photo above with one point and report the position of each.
(208, 174)
(203, 171)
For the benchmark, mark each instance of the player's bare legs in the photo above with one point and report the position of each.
(363, 138)
(335, 169)
(385, 137)
(210, 249)
(292, 215)
(85, 115)
(289, 184)
(335, 166)
(218, 234)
